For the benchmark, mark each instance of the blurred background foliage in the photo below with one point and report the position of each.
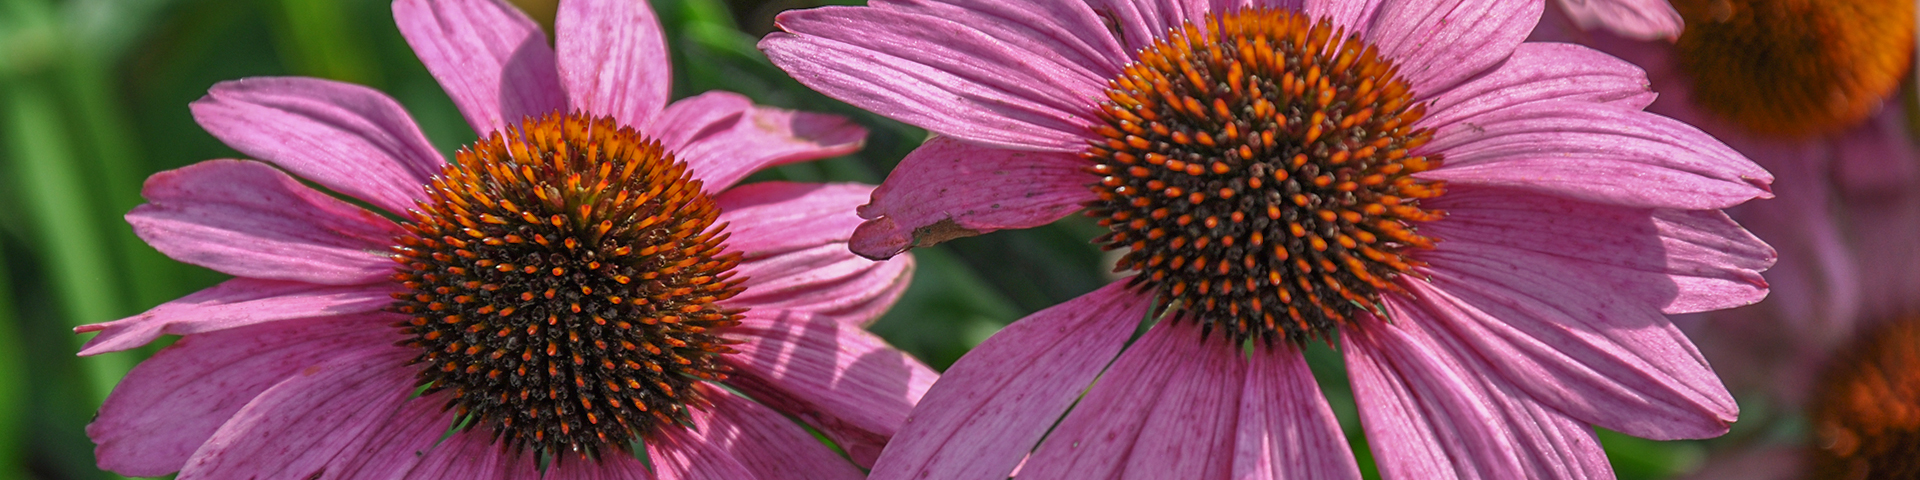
(93, 99)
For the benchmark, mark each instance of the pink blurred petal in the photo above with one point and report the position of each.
(487, 55)
(1636, 19)
(948, 189)
(1543, 71)
(794, 240)
(1437, 44)
(248, 219)
(235, 303)
(1286, 429)
(1166, 409)
(724, 137)
(765, 442)
(348, 138)
(997, 401)
(1878, 158)
(846, 382)
(613, 59)
(201, 380)
(1596, 153)
(1074, 30)
(940, 75)
(1818, 285)
(1422, 412)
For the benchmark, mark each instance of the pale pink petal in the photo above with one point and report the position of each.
(348, 138)
(1168, 408)
(1636, 19)
(235, 303)
(331, 417)
(766, 443)
(844, 381)
(1675, 261)
(487, 55)
(247, 219)
(998, 400)
(948, 189)
(939, 74)
(793, 237)
(201, 380)
(1073, 30)
(1423, 412)
(1436, 44)
(1287, 430)
(724, 137)
(1543, 71)
(613, 59)
(1597, 153)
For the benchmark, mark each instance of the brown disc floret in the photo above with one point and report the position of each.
(1866, 411)
(1795, 68)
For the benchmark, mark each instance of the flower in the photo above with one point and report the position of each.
(1491, 230)
(1635, 19)
(583, 290)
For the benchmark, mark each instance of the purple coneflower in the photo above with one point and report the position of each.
(583, 293)
(1492, 231)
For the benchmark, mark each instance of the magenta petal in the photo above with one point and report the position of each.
(613, 59)
(487, 55)
(348, 138)
(1352, 15)
(998, 400)
(234, 303)
(1597, 153)
(948, 189)
(679, 454)
(939, 75)
(1140, 22)
(200, 381)
(724, 137)
(844, 381)
(1636, 19)
(331, 417)
(1543, 71)
(471, 454)
(250, 220)
(766, 443)
(793, 238)
(1168, 408)
(1073, 30)
(1439, 43)
(1287, 430)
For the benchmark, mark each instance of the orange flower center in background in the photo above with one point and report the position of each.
(1256, 166)
(1795, 68)
(562, 286)
(1866, 414)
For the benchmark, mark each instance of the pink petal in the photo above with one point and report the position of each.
(1539, 72)
(613, 59)
(201, 380)
(940, 75)
(487, 55)
(235, 303)
(1073, 30)
(766, 443)
(1168, 408)
(1436, 44)
(1877, 159)
(999, 399)
(1287, 430)
(250, 220)
(1139, 22)
(948, 189)
(348, 138)
(1636, 19)
(472, 454)
(1818, 286)
(724, 137)
(680, 454)
(794, 240)
(846, 382)
(1596, 153)
(1352, 15)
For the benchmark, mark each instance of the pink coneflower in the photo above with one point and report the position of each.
(1491, 230)
(566, 299)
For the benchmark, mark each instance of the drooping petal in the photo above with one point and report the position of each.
(1436, 44)
(793, 237)
(173, 402)
(1596, 153)
(348, 138)
(684, 455)
(940, 75)
(235, 303)
(471, 454)
(766, 443)
(247, 219)
(1539, 72)
(1138, 23)
(1636, 19)
(1078, 33)
(487, 55)
(997, 401)
(844, 381)
(613, 59)
(1287, 430)
(1168, 408)
(948, 189)
(724, 137)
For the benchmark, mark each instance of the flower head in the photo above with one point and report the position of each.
(1492, 231)
(566, 296)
